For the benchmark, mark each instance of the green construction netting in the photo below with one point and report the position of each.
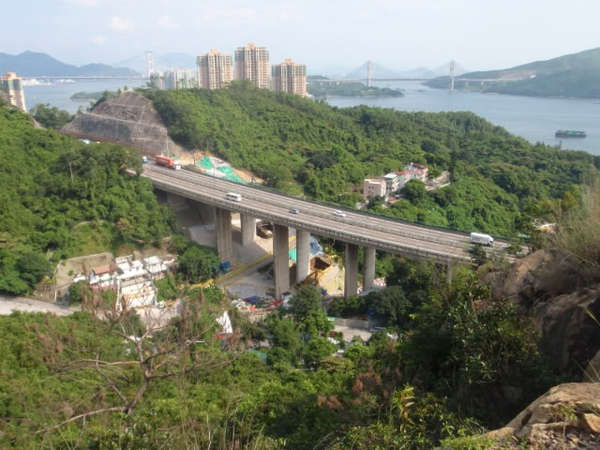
(230, 174)
(293, 254)
(205, 163)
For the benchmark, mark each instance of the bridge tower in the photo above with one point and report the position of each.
(369, 73)
(452, 67)
(149, 63)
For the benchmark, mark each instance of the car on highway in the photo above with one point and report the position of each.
(294, 211)
(339, 213)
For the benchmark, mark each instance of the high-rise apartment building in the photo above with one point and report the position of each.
(215, 69)
(290, 77)
(12, 86)
(179, 79)
(252, 63)
(149, 56)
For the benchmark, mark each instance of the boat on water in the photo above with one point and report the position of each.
(570, 134)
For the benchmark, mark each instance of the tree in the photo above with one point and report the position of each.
(316, 349)
(307, 300)
(198, 263)
(76, 292)
(394, 306)
(50, 116)
(414, 190)
(32, 268)
(167, 289)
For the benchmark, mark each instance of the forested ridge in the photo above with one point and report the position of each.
(499, 181)
(574, 75)
(62, 198)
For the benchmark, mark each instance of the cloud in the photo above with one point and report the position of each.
(98, 40)
(236, 15)
(85, 3)
(120, 24)
(167, 23)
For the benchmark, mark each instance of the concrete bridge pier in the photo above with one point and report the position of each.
(208, 213)
(302, 255)
(248, 225)
(281, 259)
(176, 202)
(350, 270)
(369, 268)
(223, 228)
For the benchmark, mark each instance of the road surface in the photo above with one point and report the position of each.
(10, 304)
(390, 235)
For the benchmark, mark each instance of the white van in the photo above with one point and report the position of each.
(483, 239)
(233, 196)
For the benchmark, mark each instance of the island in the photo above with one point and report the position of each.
(319, 87)
(83, 96)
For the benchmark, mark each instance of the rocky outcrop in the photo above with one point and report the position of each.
(566, 322)
(565, 417)
(129, 119)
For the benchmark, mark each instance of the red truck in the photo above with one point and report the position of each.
(167, 162)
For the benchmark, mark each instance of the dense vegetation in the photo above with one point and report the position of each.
(62, 198)
(311, 148)
(50, 116)
(573, 75)
(456, 355)
(319, 88)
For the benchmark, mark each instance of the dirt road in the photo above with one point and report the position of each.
(10, 304)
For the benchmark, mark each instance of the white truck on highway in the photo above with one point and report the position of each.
(481, 238)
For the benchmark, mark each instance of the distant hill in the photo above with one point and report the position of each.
(574, 75)
(32, 64)
(161, 62)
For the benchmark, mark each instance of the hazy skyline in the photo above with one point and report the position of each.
(328, 36)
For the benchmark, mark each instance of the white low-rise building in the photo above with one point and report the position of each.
(374, 188)
(418, 171)
(392, 181)
(155, 266)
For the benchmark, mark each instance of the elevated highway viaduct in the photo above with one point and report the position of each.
(355, 229)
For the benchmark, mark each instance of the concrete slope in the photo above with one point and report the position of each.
(129, 119)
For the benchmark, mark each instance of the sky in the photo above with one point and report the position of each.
(330, 36)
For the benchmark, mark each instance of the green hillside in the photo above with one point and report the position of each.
(62, 198)
(324, 152)
(574, 75)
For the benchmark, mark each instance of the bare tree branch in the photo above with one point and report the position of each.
(82, 416)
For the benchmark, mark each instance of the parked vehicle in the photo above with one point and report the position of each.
(264, 230)
(165, 161)
(339, 213)
(233, 197)
(144, 159)
(483, 239)
(253, 300)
